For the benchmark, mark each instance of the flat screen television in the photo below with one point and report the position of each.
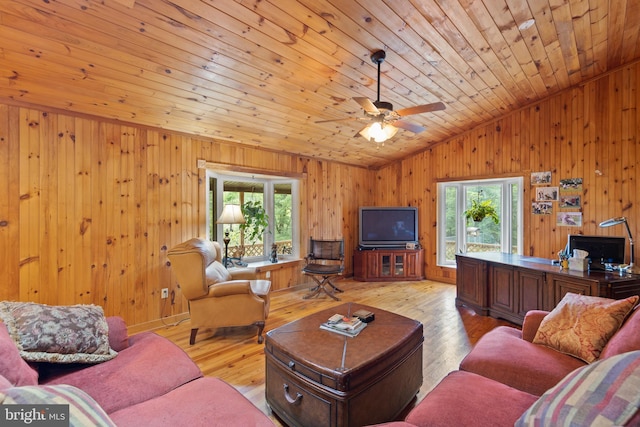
(386, 227)
(602, 249)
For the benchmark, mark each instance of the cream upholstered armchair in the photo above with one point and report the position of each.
(218, 297)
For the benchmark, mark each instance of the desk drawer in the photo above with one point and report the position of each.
(298, 404)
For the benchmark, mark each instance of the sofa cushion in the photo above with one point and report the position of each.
(581, 325)
(83, 410)
(12, 366)
(502, 354)
(61, 334)
(466, 399)
(118, 334)
(626, 339)
(150, 366)
(4, 383)
(205, 402)
(603, 393)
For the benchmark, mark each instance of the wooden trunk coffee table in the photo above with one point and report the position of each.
(320, 378)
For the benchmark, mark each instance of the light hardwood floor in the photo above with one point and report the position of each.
(234, 355)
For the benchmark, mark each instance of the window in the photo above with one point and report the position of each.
(458, 234)
(277, 196)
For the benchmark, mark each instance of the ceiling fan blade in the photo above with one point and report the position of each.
(418, 109)
(408, 126)
(358, 134)
(367, 105)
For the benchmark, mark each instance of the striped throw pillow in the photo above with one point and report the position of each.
(83, 410)
(604, 393)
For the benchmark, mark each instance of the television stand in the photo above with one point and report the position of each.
(388, 264)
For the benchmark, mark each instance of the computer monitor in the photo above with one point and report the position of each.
(602, 249)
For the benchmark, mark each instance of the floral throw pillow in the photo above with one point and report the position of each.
(58, 334)
(582, 325)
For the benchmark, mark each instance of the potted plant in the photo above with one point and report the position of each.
(479, 210)
(256, 219)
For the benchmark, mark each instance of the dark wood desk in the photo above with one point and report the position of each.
(320, 378)
(507, 285)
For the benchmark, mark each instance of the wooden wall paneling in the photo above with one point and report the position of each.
(600, 149)
(153, 184)
(140, 210)
(48, 187)
(487, 151)
(98, 214)
(9, 223)
(634, 138)
(128, 218)
(164, 222)
(100, 204)
(176, 228)
(82, 146)
(522, 150)
(577, 124)
(587, 146)
(68, 236)
(617, 139)
(587, 132)
(112, 218)
(29, 206)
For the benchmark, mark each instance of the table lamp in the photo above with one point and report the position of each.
(231, 214)
(622, 220)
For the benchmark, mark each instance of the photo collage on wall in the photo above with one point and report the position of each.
(567, 197)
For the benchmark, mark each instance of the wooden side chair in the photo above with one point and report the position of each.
(324, 263)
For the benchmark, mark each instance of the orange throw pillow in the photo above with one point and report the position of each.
(582, 325)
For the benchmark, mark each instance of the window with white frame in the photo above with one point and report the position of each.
(459, 234)
(275, 197)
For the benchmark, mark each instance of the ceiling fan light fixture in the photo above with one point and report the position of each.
(378, 132)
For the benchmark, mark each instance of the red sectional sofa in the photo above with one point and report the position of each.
(151, 382)
(506, 376)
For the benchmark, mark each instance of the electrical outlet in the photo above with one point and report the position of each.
(268, 274)
(164, 293)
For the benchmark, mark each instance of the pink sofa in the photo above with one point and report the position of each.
(151, 382)
(505, 374)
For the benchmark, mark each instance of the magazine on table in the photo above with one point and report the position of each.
(349, 326)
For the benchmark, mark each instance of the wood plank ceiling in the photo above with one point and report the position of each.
(262, 72)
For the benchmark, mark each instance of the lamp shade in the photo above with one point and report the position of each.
(378, 131)
(231, 214)
(613, 221)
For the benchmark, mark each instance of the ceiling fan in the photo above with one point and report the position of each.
(384, 121)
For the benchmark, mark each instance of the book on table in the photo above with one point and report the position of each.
(349, 326)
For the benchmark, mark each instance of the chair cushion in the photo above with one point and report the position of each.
(581, 325)
(323, 269)
(603, 393)
(216, 273)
